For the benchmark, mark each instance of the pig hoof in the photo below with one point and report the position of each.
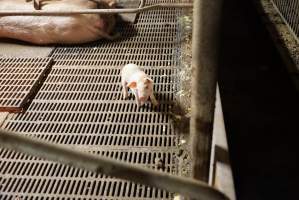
(36, 5)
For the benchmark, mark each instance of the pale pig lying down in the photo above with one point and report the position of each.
(141, 85)
(39, 3)
(67, 29)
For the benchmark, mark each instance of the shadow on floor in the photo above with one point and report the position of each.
(261, 108)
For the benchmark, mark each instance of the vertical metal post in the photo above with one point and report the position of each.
(206, 23)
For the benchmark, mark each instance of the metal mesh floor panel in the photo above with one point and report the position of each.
(289, 10)
(153, 45)
(80, 106)
(19, 77)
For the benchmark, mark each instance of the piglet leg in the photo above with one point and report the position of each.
(125, 89)
(136, 98)
(154, 100)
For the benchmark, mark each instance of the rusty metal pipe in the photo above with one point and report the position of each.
(92, 11)
(206, 22)
(102, 165)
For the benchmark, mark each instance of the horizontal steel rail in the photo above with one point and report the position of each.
(92, 11)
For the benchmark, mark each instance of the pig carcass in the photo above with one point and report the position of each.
(141, 85)
(66, 29)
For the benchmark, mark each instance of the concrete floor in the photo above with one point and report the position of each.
(261, 107)
(13, 48)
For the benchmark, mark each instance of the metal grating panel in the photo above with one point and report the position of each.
(289, 10)
(19, 77)
(144, 44)
(60, 181)
(80, 105)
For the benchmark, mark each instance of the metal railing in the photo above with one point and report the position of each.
(101, 165)
(289, 11)
(92, 11)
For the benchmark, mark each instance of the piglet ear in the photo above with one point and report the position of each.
(148, 80)
(132, 85)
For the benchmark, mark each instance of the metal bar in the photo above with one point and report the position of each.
(221, 176)
(185, 186)
(206, 22)
(92, 11)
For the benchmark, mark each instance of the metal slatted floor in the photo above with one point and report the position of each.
(19, 78)
(80, 105)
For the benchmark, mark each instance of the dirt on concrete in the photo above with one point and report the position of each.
(181, 113)
(184, 75)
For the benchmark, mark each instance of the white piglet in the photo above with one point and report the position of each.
(141, 85)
